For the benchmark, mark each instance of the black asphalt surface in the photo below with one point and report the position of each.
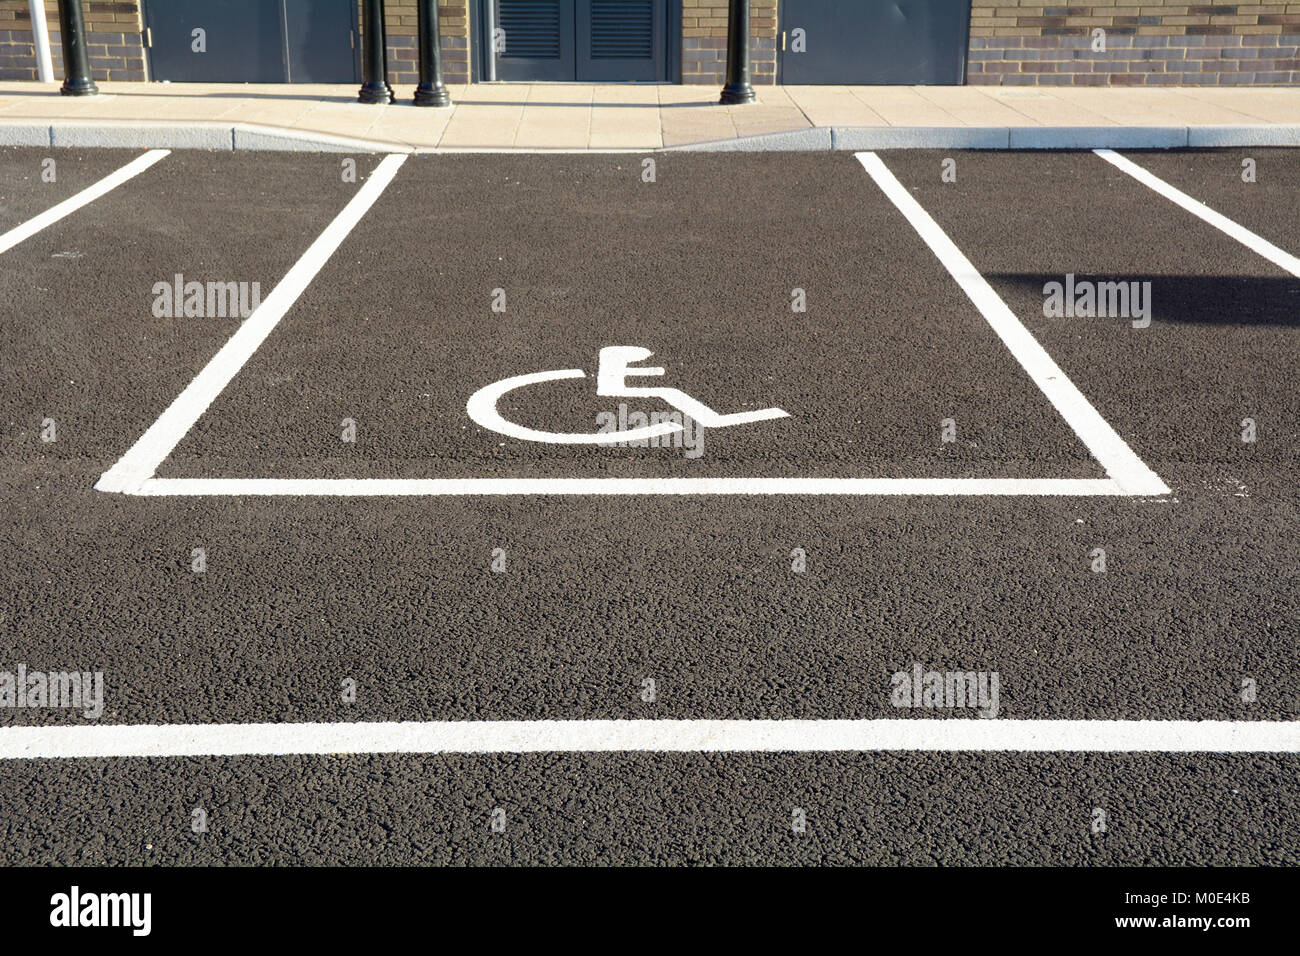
(694, 267)
(696, 592)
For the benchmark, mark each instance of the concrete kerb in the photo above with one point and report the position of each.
(24, 134)
(250, 136)
(1010, 137)
(812, 139)
(89, 133)
(1098, 137)
(210, 136)
(919, 137)
(1210, 136)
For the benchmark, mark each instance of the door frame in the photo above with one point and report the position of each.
(481, 46)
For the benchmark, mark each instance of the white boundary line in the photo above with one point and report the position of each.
(692, 736)
(139, 464)
(362, 487)
(1279, 257)
(134, 473)
(84, 198)
(1094, 431)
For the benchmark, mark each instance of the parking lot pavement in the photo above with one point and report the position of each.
(1222, 341)
(84, 346)
(31, 181)
(462, 606)
(883, 809)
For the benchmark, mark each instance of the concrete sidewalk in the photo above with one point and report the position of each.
(641, 117)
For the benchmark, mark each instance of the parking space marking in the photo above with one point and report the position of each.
(690, 736)
(1256, 243)
(135, 473)
(362, 487)
(1110, 450)
(144, 457)
(84, 198)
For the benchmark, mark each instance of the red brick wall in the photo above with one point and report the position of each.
(704, 41)
(113, 40)
(400, 24)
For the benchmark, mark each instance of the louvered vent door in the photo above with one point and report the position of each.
(538, 40)
(621, 40)
(590, 41)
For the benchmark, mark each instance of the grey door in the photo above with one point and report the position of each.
(874, 41)
(320, 41)
(588, 41)
(622, 40)
(215, 41)
(252, 41)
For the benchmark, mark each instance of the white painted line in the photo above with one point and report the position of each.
(84, 198)
(360, 487)
(1250, 240)
(691, 736)
(1104, 442)
(138, 464)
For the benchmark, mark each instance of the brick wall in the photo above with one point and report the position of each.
(1025, 42)
(403, 53)
(113, 40)
(704, 41)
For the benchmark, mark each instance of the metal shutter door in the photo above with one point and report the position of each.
(621, 40)
(538, 37)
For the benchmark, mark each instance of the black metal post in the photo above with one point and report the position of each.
(374, 58)
(738, 88)
(76, 63)
(430, 91)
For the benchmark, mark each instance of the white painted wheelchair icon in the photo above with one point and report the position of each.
(612, 373)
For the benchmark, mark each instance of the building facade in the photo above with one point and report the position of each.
(1011, 42)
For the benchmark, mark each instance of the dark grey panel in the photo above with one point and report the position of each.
(319, 37)
(254, 41)
(874, 42)
(243, 39)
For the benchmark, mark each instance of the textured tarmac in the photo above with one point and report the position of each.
(697, 593)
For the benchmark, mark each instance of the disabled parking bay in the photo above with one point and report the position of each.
(523, 265)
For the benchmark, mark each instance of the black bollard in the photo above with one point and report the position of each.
(374, 58)
(430, 91)
(738, 88)
(76, 63)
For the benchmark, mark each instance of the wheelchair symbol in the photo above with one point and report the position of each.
(612, 373)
